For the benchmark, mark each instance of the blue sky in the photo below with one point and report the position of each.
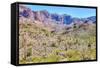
(74, 12)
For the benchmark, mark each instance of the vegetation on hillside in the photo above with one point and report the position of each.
(39, 44)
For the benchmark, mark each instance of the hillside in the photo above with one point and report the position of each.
(45, 37)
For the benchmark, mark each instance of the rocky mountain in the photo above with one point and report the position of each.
(92, 18)
(26, 14)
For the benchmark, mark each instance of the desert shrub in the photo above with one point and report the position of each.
(44, 43)
(93, 54)
(89, 55)
(37, 59)
(29, 52)
(53, 45)
(22, 61)
(73, 55)
(52, 58)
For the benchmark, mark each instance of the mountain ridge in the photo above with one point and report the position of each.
(46, 17)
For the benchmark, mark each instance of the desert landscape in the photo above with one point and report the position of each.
(47, 37)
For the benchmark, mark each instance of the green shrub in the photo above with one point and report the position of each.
(73, 55)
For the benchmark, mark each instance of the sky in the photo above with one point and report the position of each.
(73, 11)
